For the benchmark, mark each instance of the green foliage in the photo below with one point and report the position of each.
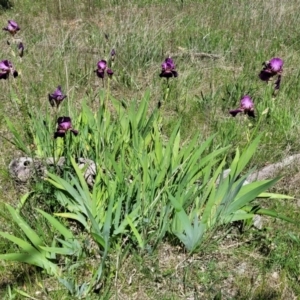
(146, 188)
(34, 253)
(222, 200)
(137, 172)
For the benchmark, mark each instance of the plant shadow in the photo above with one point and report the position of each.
(5, 4)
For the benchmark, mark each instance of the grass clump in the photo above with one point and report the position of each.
(145, 190)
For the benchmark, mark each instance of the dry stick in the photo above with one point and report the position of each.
(197, 54)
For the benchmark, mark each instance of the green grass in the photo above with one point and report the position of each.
(64, 41)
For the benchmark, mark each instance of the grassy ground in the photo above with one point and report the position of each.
(65, 39)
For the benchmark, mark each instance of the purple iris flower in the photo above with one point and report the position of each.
(168, 69)
(63, 125)
(6, 68)
(102, 68)
(21, 49)
(57, 97)
(246, 106)
(270, 69)
(113, 54)
(12, 27)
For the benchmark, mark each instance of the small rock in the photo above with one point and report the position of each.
(275, 275)
(242, 268)
(257, 222)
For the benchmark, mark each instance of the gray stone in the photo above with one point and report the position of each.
(23, 169)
